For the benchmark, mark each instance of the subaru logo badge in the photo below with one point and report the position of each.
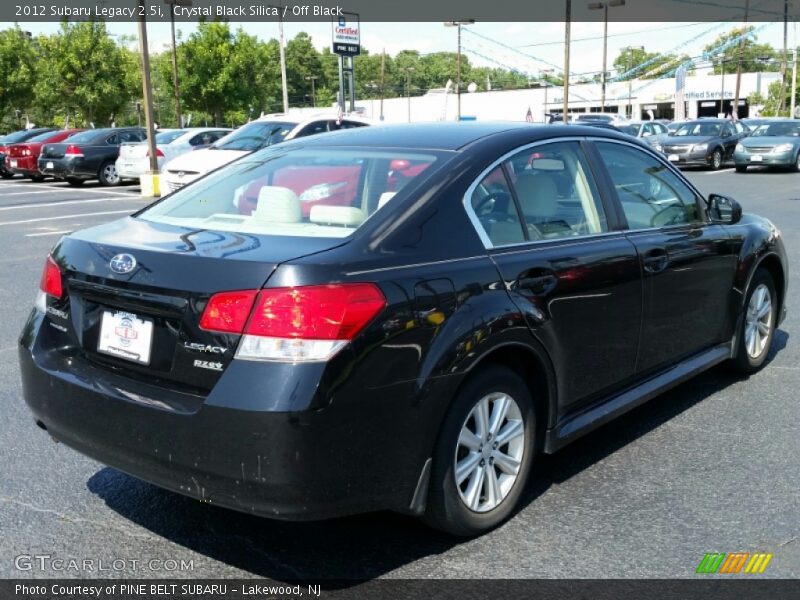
(122, 263)
(181, 174)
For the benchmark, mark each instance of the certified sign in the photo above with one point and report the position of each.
(346, 35)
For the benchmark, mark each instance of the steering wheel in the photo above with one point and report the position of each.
(671, 215)
(496, 196)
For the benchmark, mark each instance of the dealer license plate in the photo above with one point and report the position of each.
(49, 165)
(13, 164)
(756, 158)
(673, 158)
(125, 335)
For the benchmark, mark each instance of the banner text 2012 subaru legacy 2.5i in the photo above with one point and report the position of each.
(393, 317)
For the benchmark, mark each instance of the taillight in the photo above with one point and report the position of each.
(308, 323)
(159, 153)
(227, 312)
(73, 151)
(51, 279)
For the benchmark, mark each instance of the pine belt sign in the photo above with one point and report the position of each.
(346, 35)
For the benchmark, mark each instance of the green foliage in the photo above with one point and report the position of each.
(17, 74)
(754, 56)
(658, 64)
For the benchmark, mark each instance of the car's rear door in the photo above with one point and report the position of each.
(687, 262)
(578, 282)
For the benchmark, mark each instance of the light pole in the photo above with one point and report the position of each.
(604, 6)
(312, 79)
(458, 24)
(176, 86)
(630, 50)
(567, 33)
(543, 76)
(408, 71)
(722, 61)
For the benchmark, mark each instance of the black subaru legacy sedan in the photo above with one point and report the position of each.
(396, 317)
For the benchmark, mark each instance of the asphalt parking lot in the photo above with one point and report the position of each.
(710, 467)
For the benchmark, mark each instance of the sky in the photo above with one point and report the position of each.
(525, 47)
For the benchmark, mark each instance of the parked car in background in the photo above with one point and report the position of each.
(91, 154)
(14, 138)
(410, 347)
(774, 143)
(134, 157)
(23, 158)
(704, 142)
(266, 131)
(611, 118)
(673, 125)
(652, 132)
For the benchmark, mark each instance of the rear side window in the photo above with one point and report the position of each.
(113, 140)
(651, 195)
(312, 192)
(493, 204)
(313, 128)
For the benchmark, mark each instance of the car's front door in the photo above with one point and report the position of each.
(577, 282)
(687, 262)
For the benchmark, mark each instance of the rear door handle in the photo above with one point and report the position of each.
(538, 282)
(655, 260)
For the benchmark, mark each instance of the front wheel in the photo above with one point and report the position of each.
(741, 168)
(758, 325)
(483, 454)
(716, 160)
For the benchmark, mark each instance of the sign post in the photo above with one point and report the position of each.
(346, 43)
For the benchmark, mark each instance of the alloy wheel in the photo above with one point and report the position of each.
(110, 174)
(758, 321)
(716, 159)
(489, 452)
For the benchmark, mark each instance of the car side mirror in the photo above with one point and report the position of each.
(726, 134)
(671, 133)
(725, 210)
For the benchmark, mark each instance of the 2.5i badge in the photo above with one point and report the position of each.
(207, 364)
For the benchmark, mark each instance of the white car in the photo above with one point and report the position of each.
(134, 159)
(265, 131)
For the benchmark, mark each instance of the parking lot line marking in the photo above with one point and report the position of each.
(81, 190)
(61, 203)
(50, 191)
(719, 172)
(105, 212)
(48, 233)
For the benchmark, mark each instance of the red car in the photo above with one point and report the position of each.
(22, 157)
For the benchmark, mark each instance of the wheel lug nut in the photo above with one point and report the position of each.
(494, 445)
(483, 462)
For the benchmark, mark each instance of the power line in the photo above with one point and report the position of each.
(626, 34)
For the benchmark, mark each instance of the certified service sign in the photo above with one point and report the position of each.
(346, 35)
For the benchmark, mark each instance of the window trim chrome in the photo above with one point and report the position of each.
(467, 200)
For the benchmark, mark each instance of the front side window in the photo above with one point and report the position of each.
(651, 195)
(306, 192)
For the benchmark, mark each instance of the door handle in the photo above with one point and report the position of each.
(655, 260)
(537, 282)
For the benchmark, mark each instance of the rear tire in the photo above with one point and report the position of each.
(75, 182)
(741, 168)
(37, 178)
(758, 325)
(108, 175)
(6, 175)
(491, 454)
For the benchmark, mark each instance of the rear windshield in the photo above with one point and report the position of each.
(43, 137)
(629, 129)
(255, 136)
(85, 136)
(700, 129)
(310, 192)
(17, 136)
(166, 137)
(783, 128)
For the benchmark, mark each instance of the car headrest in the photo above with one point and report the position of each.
(278, 205)
(385, 197)
(347, 216)
(538, 194)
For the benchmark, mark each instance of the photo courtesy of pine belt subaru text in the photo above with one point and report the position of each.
(394, 317)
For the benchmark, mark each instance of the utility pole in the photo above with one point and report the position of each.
(312, 79)
(794, 82)
(458, 24)
(383, 77)
(175, 84)
(281, 44)
(721, 58)
(408, 71)
(604, 6)
(630, 50)
(147, 90)
(735, 109)
(783, 56)
(543, 77)
(567, 28)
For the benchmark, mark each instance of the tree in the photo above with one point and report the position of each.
(642, 64)
(302, 60)
(82, 72)
(755, 57)
(18, 58)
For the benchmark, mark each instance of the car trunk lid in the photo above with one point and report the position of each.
(144, 323)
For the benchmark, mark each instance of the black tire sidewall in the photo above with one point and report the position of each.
(743, 361)
(446, 511)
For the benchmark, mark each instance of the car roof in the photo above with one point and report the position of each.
(450, 135)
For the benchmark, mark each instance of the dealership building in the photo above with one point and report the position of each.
(702, 95)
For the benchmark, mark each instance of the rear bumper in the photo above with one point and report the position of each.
(25, 165)
(361, 453)
(64, 168)
(134, 168)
